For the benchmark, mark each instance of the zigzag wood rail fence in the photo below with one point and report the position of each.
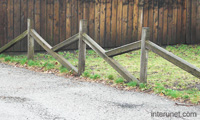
(144, 44)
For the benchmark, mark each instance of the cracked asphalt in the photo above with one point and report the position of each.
(28, 95)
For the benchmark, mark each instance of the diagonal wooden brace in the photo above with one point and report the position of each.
(48, 48)
(99, 50)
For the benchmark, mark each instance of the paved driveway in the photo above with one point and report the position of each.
(27, 95)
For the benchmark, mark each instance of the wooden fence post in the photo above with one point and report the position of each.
(144, 55)
(30, 47)
(82, 46)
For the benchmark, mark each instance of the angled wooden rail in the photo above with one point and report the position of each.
(84, 39)
(173, 59)
(99, 50)
(124, 49)
(12, 42)
(48, 48)
(66, 42)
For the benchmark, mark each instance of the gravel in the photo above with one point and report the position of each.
(28, 95)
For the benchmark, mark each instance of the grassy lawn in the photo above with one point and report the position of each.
(164, 78)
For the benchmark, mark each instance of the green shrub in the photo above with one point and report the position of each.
(119, 80)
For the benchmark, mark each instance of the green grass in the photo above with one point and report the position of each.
(163, 76)
(119, 80)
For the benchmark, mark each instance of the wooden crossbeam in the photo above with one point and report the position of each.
(174, 59)
(124, 49)
(66, 42)
(48, 48)
(99, 50)
(12, 42)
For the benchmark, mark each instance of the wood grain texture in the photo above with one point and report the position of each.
(188, 22)
(114, 23)
(102, 22)
(82, 47)
(130, 22)
(10, 22)
(160, 22)
(24, 17)
(170, 22)
(62, 20)
(183, 23)
(43, 20)
(124, 49)
(193, 21)
(12, 42)
(198, 21)
(108, 41)
(56, 23)
(66, 42)
(174, 25)
(119, 23)
(17, 22)
(135, 21)
(50, 22)
(111, 23)
(155, 21)
(97, 21)
(165, 23)
(144, 55)
(30, 41)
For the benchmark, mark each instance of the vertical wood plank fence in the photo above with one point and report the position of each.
(111, 23)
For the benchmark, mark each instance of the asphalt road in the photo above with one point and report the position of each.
(27, 95)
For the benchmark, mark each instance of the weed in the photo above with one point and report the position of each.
(8, 58)
(50, 66)
(60, 53)
(142, 85)
(90, 52)
(32, 63)
(174, 94)
(23, 61)
(96, 76)
(86, 74)
(119, 80)
(2, 55)
(159, 88)
(110, 77)
(132, 84)
(63, 69)
(185, 96)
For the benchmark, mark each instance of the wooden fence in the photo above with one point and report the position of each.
(111, 23)
(84, 39)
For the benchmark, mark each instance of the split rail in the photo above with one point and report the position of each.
(144, 44)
